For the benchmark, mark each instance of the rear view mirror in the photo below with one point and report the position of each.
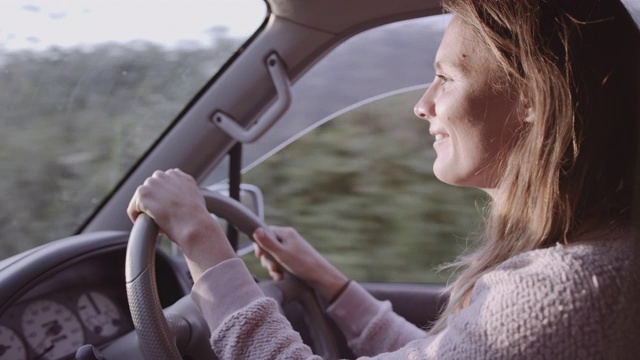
(251, 197)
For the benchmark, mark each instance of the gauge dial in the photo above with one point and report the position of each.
(51, 329)
(11, 347)
(99, 314)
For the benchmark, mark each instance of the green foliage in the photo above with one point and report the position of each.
(75, 120)
(362, 190)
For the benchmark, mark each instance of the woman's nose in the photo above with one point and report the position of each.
(425, 108)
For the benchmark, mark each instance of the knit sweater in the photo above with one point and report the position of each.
(579, 301)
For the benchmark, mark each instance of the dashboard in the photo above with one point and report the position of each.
(80, 301)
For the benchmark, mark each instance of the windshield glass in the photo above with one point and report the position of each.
(87, 87)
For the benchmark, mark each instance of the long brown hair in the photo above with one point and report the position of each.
(576, 67)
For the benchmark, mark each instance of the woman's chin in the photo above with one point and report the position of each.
(445, 172)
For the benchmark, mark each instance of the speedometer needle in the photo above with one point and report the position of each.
(93, 303)
(53, 329)
(3, 349)
(45, 351)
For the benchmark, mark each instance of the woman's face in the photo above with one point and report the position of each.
(471, 119)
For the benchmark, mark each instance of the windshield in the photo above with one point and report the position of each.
(87, 87)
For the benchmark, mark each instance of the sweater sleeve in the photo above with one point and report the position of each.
(547, 304)
(244, 323)
(247, 325)
(369, 325)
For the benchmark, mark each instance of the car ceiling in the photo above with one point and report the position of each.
(345, 16)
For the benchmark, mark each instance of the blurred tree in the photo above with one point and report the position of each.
(362, 190)
(74, 121)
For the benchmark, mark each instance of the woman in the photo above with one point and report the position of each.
(535, 102)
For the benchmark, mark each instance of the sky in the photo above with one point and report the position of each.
(40, 24)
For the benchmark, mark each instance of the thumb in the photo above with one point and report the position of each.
(266, 241)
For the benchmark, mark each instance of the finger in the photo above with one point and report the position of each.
(285, 234)
(277, 276)
(268, 263)
(157, 174)
(257, 250)
(175, 173)
(265, 241)
(132, 209)
(181, 175)
(271, 267)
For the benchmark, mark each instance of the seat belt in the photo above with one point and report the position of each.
(235, 178)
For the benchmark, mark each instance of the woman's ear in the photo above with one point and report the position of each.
(529, 115)
(525, 109)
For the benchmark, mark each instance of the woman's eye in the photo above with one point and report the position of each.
(443, 78)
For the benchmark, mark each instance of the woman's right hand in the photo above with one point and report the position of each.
(299, 258)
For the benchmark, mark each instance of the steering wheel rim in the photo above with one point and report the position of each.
(156, 340)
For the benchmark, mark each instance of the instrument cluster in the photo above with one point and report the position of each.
(81, 302)
(76, 299)
(55, 326)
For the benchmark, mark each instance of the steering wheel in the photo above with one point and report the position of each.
(156, 339)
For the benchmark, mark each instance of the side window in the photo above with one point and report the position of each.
(361, 189)
(86, 87)
(360, 186)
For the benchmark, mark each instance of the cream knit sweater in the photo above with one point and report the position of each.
(566, 302)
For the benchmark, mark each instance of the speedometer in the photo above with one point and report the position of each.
(11, 347)
(98, 313)
(51, 329)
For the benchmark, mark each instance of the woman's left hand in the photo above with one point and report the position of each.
(174, 201)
